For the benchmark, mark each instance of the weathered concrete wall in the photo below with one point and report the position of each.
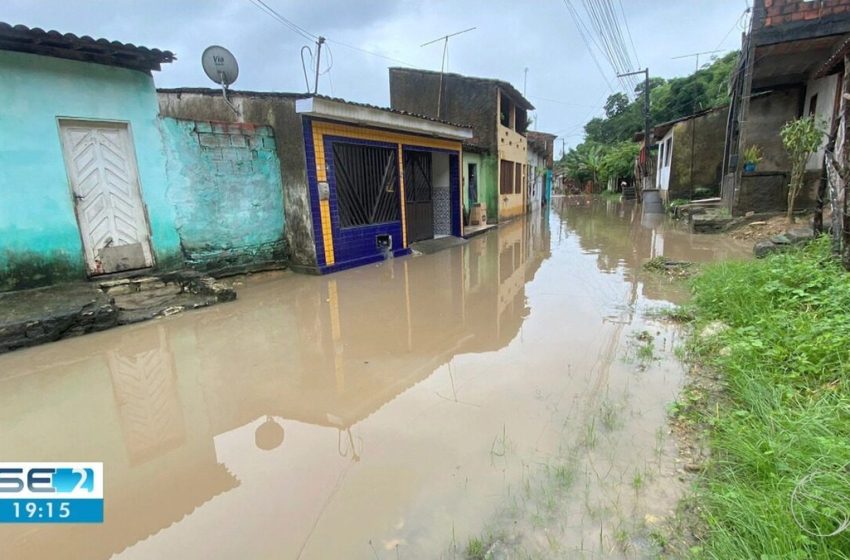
(464, 101)
(277, 111)
(767, 114)
(697, 155)
(39, 238)
(224, 182)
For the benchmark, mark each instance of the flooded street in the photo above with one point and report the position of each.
(512, 391)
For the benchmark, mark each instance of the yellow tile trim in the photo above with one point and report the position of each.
(402, 198)
(320, 129)
(327, 232)
(376, 135)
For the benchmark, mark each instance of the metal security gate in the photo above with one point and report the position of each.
(418, 194)
(101, 166)
(366, 184)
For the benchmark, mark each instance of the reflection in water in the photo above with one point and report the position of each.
(333, 417)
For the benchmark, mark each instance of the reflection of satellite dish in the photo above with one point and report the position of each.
(220, 65)
(269, 435)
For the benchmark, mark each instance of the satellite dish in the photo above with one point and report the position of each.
(220, 65)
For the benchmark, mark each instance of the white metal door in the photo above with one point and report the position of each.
(101, 166)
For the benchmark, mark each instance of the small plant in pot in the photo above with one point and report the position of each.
(752, 157)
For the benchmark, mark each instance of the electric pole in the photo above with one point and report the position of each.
(646, 138)
(525, 81)
(319, 44)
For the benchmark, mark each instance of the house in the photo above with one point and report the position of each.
(360, 183)
(690, 155)
(541, 147)
(776, 82)
(496, 158)
(93, 182)
(82, 170)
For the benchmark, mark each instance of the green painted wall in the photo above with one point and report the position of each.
(39, 238)
(227, 193)
(488, 188)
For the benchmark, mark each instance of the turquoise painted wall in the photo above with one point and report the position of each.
(227, 193)
(39, 239)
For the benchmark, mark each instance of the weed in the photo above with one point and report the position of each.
(637, 481)
(608, 415)
(475, 549)
(591, 437)
(785, 361)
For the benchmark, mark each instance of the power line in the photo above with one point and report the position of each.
(629, 32)
(271, 12)
(274, 14)
(578, 23)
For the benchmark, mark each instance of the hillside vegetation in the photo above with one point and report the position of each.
(608, 149)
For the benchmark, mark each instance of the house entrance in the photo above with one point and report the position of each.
(418, 195)
(101, 166)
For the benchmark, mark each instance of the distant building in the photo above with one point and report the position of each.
(541, 146)
(496, 157)
(689, 155)
(775, 82)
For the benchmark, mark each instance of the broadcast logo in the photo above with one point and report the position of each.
(51, 492)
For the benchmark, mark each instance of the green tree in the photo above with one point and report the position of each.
(619, 161)
(616, 104)
(801, 139)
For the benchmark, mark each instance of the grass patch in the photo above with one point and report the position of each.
(778, 481)
(610, 195)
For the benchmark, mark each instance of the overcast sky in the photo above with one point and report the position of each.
(563, 82)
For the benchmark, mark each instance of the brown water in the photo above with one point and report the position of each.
(494, 390)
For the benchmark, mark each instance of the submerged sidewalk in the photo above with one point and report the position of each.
(33, 317)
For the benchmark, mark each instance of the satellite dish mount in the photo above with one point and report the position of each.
(221, 67)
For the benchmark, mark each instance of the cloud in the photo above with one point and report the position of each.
(563, 82)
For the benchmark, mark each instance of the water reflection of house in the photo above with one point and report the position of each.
(150, 401)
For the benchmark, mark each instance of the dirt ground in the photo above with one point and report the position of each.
(762, 227)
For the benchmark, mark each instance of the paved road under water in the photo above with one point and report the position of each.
(496, 390)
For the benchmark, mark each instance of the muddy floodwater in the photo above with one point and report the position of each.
(508, 395)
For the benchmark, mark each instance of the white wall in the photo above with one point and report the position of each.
(662, 176)
(824, 88)
(535, 182)
(441, 182)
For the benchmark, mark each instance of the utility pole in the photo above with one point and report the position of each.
(445, 39)
(563, 150)
(646, 138)
(525, 81)
(319, 44)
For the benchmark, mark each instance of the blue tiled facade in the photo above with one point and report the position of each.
(356, 246)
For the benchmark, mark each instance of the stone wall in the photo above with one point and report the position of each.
(225, 185)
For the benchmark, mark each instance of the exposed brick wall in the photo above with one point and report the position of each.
(779, 12)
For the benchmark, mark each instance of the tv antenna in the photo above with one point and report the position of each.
(444, 63)
(697, 55)
(221, 67)
(321, 41)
